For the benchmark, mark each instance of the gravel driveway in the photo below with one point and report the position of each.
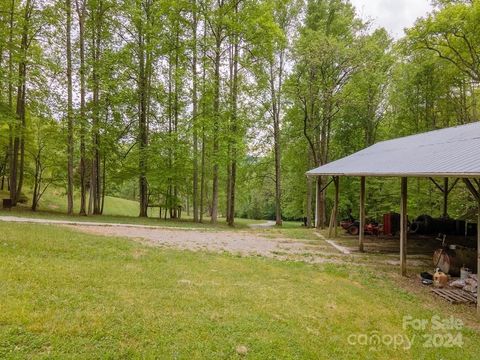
(237, 242)
(247, 242)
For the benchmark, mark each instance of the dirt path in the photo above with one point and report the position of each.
(342, 249)
(267, 224)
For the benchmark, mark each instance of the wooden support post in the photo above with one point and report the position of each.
(478, 256)
(361, 232)
(403, 227)
(317, 202)
(476, 195)
(332, 228)
(445, 197)
(337, 190)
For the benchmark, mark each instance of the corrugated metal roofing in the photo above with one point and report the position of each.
(445, 152)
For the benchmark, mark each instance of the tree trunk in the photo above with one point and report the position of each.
(36, 184)
(95, 176)
(216, 125)
(276, 103)
(143, 62)
(68, 8)
(104, 181)
(234, 130)
(17, 170)
(176, 203)
(10, 54)
(81, 11)
(194, 113)
(308, 205)
(203, 149)
(11, 151)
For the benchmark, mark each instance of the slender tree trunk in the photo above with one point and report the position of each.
(176, 203)
(308, 204)
(36, 184)
(320, 199)
(104, 181)
(95, 176)
(194, 113)
(143, 125)
(10, 54)
(90, 197)
(170, 137)
(216, 125)
(234, 130)
(81, 11)
(276, 106)
(17, 171)
(68, 8)
(230, 137)
(204, 139)
(12, 128)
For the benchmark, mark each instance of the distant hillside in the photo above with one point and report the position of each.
(55, 200)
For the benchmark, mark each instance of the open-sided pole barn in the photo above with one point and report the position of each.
(446, 153)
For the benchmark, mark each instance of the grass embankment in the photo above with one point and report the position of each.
(70, 295)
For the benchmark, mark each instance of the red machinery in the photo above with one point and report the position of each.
(391, 223)
(353, 227)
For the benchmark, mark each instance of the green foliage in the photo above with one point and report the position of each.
(340, 86)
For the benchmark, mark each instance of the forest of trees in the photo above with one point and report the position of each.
(219, 107)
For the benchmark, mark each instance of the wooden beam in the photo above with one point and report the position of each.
(403, 227)
(477, 182)
(472, 189)
(361, 232)
(436, 184)
(326, 186)
(453, 185)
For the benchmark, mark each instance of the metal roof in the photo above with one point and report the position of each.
(445, 152)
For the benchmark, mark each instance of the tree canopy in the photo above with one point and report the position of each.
(216, 108)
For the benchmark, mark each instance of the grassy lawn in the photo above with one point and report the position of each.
(115, 219)
(70, 295)
(55, 201)
(54, 206)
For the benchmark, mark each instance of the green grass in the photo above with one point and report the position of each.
(56, 201)
(53, 205)
(70, 295)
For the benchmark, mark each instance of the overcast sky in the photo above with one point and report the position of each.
(393, 15)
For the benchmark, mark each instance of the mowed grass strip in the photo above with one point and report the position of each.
(53, 206)
(70, 295)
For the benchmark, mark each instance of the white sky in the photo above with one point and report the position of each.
(393, 15)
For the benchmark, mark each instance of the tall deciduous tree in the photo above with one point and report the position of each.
(327, 55)
(452, 33)
(70, 140)
(284, 13)
(17, 161)
(81, 8)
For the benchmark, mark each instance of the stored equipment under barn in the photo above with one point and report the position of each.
(450, 153)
